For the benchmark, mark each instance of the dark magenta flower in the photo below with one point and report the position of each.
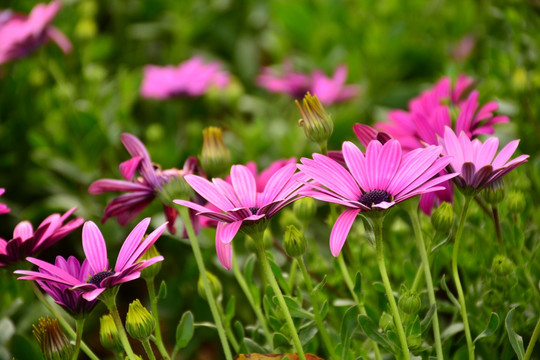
(376, 181)
(3, 207)
(192, 78)
(22, 34)
(26, 241)
(101, 276)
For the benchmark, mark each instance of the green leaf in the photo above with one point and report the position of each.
(358, 284)
(230, 309)
(22, 348)
(185, 330)
(515, 340)
(452, 330)
(492, 326)
(371, 330)
(8, 329)
(379, 287)
(296, 310)
(449, 293)
(424, 324)
(280, 340)
(253, 347)
(348, 326)
(324, 309)
(307, 334)
(162, 293)
(248, 275)
(276, 270)
(239, 330)
(319, 286)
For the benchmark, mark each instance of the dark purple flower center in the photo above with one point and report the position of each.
(99, 277)
(375, 197)
(254, 210)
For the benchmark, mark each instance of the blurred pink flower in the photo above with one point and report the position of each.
(464, 48)
(21, 34)
(3, 207)
(329, 90)
(26, 241)
(191, 78)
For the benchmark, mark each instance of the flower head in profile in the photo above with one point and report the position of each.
(371, 182)
(26, 241)
(289, 82)
(475, 162)
(239, 203)
(3, 207)
(22, 34)
(192, 78)
(141, 190)
(100, 275)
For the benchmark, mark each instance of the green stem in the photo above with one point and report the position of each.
(109, 298)
(360, 304)
(316, 310)
(377, 228)
(429, 281)
(157, 331)
(271, 279)
(148, 349)
(202, 272)
(417, 278)
(323, 145)
(67, 328)
(256, 309)
(534, 337)
(455, 274)
(292, 274)
(498, 232)
(80, 327)
(228, 330)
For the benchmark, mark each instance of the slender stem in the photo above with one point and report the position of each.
(148, 349)
(534, 337)
(417, 278)
(497, 224)
(110, 302)
(256, 309)
(202, 272)
(323, 145)
(292, 274)
(316, 310)
(413, 213)
(154, 304)
(455, 274)
(228, 330)
(377, 228)
(80, 327)
(271, 279)
(67, 328)
(360, 304)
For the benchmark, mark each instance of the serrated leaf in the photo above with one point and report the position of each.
(162, 293)
(296, 310)
(515, 339)
(449, 293)
(492, 326)
(371, 330)
(184, 330)
(424, 324)
(348, 326)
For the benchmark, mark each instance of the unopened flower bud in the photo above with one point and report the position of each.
(414, 341)
(515, 202)
(287, 218)
(494, 192)
(318, 125)
(215, 157)
(305, 208)
(215, 286)
(151, 271)
(176, 186)
(386, 321)
(140, 324)
(443, 217)
(409, 303)
(502, 266)
(53, 342)
(108, 334)
(294, 242)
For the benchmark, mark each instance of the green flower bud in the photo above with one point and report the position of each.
(443, 217)
(140, 324)
(215, 157)
(151, 271)
(53, 342)
(108, 334)
(215, 286)
(515, 202)
(294, 242)
(414, 341)
(409, 303)
(305, 208)
(287, 218)
(494, 192)
(502, 266)
(318, 125)
(175, 188)
(386, 321)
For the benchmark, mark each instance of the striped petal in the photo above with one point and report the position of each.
(341, 230)
(224, 253)
(244, 185)
(94, 247)
(225, 232)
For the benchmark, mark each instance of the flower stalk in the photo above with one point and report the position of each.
(109, 299)
(157, 331)
(79, 327)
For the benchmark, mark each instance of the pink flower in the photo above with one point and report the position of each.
(22, 34)
(475, 162)
(329, 90)
(191, 78)
(376, 181)
(26, 241)
(140, 191)
(101, 276)
(3, 208)
(240, 203)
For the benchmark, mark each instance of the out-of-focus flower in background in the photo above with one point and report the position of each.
(3, 207)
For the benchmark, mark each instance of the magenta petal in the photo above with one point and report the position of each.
(94, 247)
(505, 154)
(341, 230)
(276, 183)
(244, 185)
(209, 191)
(224, 253)
(23, 230)
(355, 161)
(104, 185)
(372, 163)
(128, 168)
(226, 232)
(130, 244)
(92, 295)
(142, 246)
(390, 159)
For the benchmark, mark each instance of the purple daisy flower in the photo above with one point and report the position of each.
(475, 162)
(3, 207)
(100, 276)
(239, 203)
(376, 181)
(26, 241)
